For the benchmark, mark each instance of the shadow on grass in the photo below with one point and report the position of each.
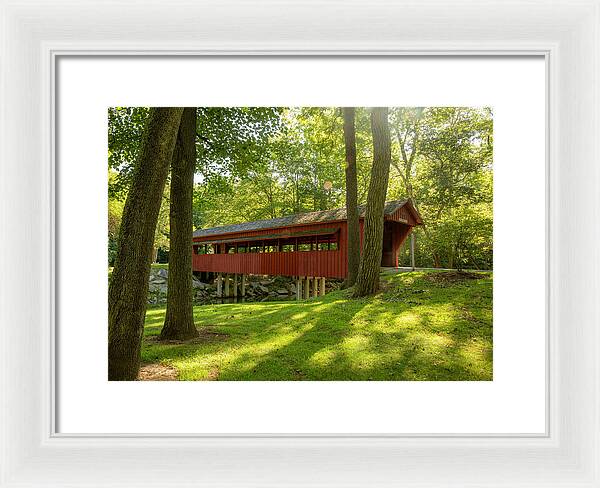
(414, 331)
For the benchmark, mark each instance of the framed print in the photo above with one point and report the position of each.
(477, 360)
(284, 352)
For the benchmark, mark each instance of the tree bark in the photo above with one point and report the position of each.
(179, 319)
(367, 281)
(351, 196)
(128, 289)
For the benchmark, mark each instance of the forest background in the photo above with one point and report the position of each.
(265, 162)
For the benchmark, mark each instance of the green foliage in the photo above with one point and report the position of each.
(455, 151)
(420, 328)
(161, 235)
(306, 152)
(229, 139)
(232, 140)
(115, 213)
(265, 162)
(125, 129)
(461, 239)
(443, 162)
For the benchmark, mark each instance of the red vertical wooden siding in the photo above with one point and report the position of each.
(328, 264)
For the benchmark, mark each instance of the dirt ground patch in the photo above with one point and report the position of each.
(447, 277)
(213, 374)
(204, 335)
(157, 372)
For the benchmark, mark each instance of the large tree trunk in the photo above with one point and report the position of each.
(179, 320)
(128, 290)
(367, 282)
(351, 196)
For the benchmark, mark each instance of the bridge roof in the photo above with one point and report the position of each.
(338, 214)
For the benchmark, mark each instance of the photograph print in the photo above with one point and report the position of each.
(300, 243)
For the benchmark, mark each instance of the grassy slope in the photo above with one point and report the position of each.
(417, 329)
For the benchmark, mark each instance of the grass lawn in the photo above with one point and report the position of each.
(423, 326)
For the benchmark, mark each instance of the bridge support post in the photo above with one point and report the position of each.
(235, 285)
(220, 285)
(227, 285)
(243, 290)
(315, 287)
(299, 288)
(412, 250)
(307, 288)
(322, 286)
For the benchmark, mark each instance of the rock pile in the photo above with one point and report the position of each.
(257, 288)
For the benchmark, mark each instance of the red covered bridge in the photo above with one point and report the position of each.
(308, 245)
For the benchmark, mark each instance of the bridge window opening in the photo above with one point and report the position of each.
(304, 243)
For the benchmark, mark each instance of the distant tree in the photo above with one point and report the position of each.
(128, 288)
(367, 281)
(161, 235)
(115, 213)
(443, 158)
(464, 237)
(456, 149)
(296, 160)
(125, 131)
(351, 196)
(407, 123)
(179, 318)
(232, 146)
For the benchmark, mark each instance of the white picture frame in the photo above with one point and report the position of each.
(34, 35)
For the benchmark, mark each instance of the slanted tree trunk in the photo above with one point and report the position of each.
(351, 197)
(128, 290)
(367, 281)
(179, 319)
